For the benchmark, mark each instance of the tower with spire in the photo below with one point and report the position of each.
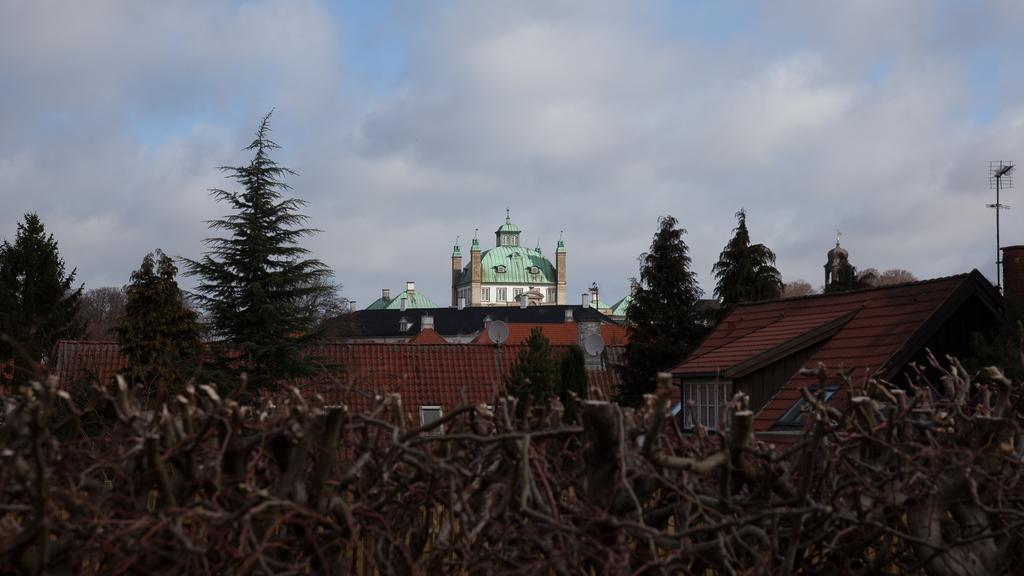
(837, 258)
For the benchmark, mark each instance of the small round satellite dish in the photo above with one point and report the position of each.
(497, 331)
(593, 344)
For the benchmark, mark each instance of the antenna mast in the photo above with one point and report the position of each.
(999, 176)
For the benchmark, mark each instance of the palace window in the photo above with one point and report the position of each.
(709, 398)
(551, 295)
(516, 293)
(485, 294)
(501, 295)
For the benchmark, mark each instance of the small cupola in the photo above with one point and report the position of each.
(508, 233)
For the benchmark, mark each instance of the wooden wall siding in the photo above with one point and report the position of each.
(953, 338)
(762, 384)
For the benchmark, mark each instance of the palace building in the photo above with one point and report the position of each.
(508, 273)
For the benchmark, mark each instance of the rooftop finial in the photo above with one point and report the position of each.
(838, 234)
(475, 231)
(508, 215)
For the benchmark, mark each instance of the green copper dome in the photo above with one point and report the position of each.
(622, 306)
(413, 300)
(379, 304)
(512, 265)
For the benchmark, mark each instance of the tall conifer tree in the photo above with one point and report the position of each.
(159, 333)
(664, 320)
(534, 378)
(744, 271)
(253, 283)
(38, 300)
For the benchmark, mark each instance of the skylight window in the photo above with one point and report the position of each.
(794, 417)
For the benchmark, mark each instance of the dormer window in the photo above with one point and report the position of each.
(534, 270)
(500, 268)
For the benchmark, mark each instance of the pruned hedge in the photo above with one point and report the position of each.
(921, 479)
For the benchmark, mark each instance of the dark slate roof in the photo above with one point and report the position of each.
(470, 320)
(874, 332)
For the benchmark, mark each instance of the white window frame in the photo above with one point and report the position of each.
(501, 294)
(485, 294)
(710, 397)
(551, 295)
(440, 414)
(516, 293)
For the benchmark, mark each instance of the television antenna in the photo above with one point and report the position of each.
(1000, 175)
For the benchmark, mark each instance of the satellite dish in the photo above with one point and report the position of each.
(497, 331)
(593, 345)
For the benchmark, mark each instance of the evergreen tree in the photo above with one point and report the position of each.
(159, 333)
(253, 284)
(744, 271)
(1000, 346)
(534, 378)
(664, 321)
(38, 301)
(573, 381)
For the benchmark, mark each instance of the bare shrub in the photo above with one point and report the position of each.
(923, 480)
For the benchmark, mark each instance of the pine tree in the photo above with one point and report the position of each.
(159, 334)
(573, 381)
(745, 271)
(664, 321)
(1001, 346)
(534, 377)
(253, 283)
(38, 301)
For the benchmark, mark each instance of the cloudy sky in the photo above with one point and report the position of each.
(412, 123)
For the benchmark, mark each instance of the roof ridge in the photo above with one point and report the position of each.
(858, 290)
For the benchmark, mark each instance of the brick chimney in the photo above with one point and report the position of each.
(1013, 275)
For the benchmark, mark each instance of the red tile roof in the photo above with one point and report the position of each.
(869, 331)
(428, 336)
(88, 360)
(424, 374)
(563, 334)
(443, 375)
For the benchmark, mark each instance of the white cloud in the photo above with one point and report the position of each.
(594, 119)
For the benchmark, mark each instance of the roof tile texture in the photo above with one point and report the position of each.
(882, 322)
(424, 374)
